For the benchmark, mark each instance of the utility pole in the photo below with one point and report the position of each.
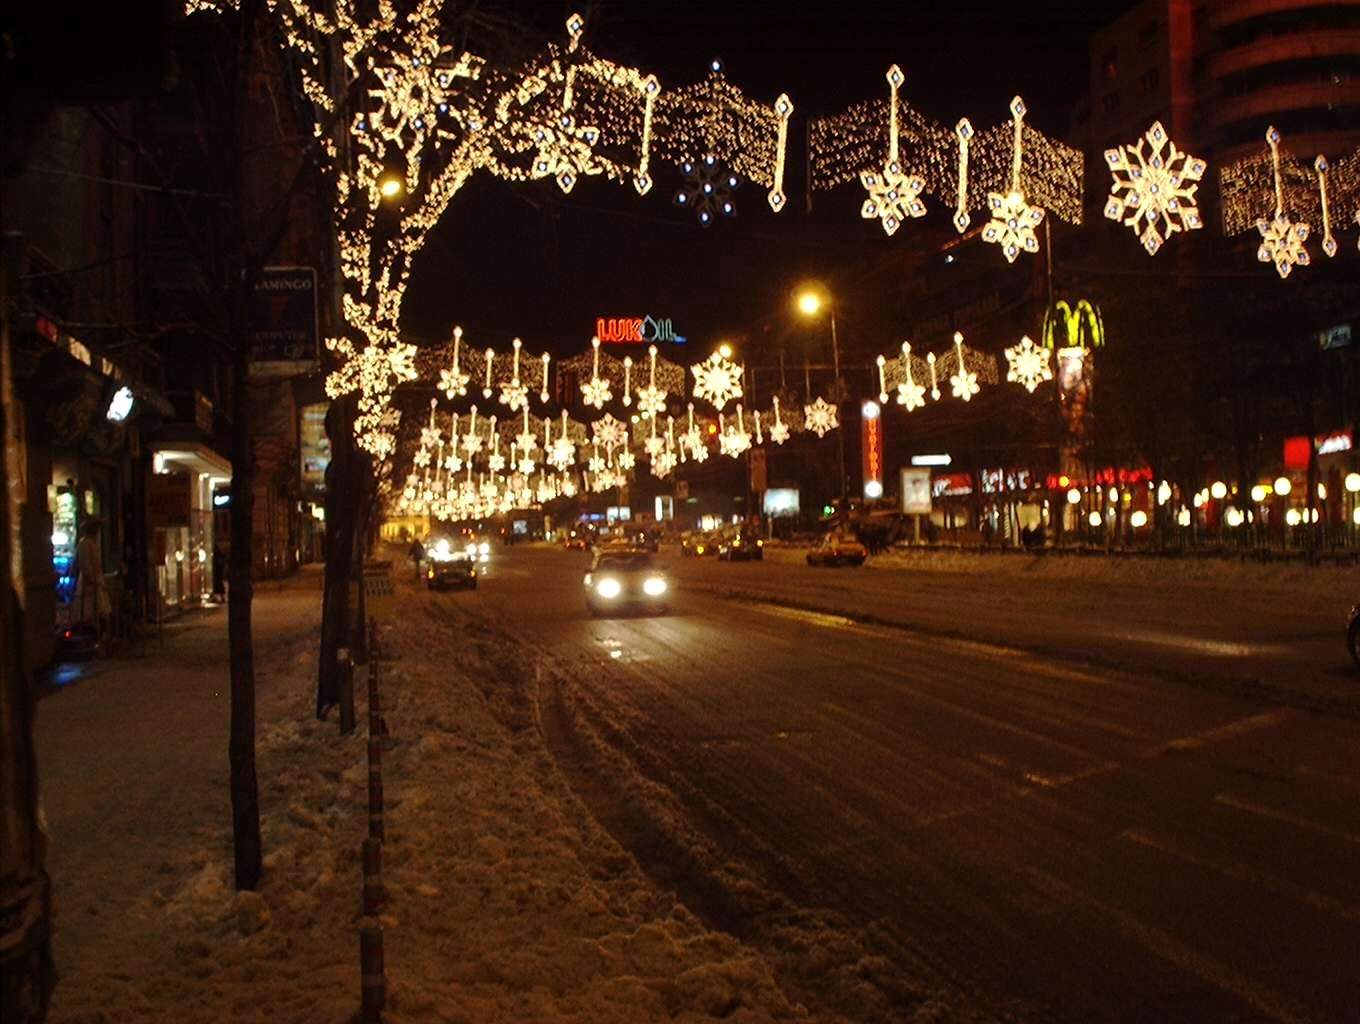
(840, 411)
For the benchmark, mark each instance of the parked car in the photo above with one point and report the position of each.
(1353, 635)
(624, 580)
(838, 549)
(740, 544)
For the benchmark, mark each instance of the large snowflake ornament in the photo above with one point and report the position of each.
(1012, 224)
(1028, 364)
(894, 196)
(565, 152)
(651, 401)
(609, 431)
(1154, 191)
(626, 460)
(453, 382)
(820, 417)
(707, 189)
(663, 464)
(964, 384)
(1282, 243)
(596, 392)
(515, 395)
(654, 446)
(717, 380)
(563, 453)
(779, 432)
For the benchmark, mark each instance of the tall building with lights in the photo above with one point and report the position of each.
(1217, 73)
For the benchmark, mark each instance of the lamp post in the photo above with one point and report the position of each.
(811, 302)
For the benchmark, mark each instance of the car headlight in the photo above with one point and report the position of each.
(760, 543)
(486, 558)
(654, 586)
(472, 550)
(484, 548)
(608, 588)
(590, 580)
(700, 549)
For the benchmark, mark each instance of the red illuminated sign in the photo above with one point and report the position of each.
(871, 452)
(1298, 452)
(639, 330)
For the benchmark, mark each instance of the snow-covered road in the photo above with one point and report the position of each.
(1061, 802)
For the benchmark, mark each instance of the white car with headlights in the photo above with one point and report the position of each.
(626, 581)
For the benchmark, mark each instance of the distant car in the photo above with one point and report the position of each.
(838, 549)
(740, 544)
(452, 566)
(644, 540)
(1353, 635)
(576, 540)
(699, 542)
(626, 580)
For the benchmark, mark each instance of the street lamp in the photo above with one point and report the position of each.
(390, 185)
(811, 302)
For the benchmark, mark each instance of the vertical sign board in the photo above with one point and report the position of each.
(915, 491)
(282, 324)
(759, 470)
(871, 449)
(314, 447)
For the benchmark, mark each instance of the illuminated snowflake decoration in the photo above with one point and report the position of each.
(734, 440)
(654, 446)
(596, 463)
(526, 465)
(453, 463)
(1029, 365)
(526, 440)
(1012, 224)
(779, 432)
(515, 395)
(495, 462)
(964, 384)
(717, 380)
(663, 464)
(1282, 243)
(453, 382)
(429, 436)
(596, 392)
(893, 196)
(609, 431)
(565, 152)
(563, 453)
(911, 395)
(820, 417)
(1154, 191)
(472, 444)
(626, 460)
(422, 458)
(651, 401)
(707, 189)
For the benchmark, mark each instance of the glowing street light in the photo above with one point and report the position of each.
(1258, 494)
(725, 350)
(390, 185)
(1283, 486)
(1219, 490)
(1353, 482)
(1074, 497)
(810, 303)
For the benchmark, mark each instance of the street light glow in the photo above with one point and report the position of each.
(1074, 496)
(1283, 486)
(391, 186)
(870, 410)
(809, 303)
(725, 350)
(1219, 490)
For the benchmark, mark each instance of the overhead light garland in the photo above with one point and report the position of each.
(596, 391)
(1154, 192)
(779, 430)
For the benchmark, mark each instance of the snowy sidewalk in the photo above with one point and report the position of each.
(505, 901)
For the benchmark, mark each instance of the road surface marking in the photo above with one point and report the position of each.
(1231, 730)
(1228, 800)
(1242, 873)
(1171, 949)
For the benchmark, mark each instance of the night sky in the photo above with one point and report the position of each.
(524, 260)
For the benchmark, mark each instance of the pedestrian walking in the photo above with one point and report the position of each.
(417, 555)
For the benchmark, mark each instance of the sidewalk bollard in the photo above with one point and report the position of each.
(373, 884)
(373, 994)
(344, 666)
(375, 789)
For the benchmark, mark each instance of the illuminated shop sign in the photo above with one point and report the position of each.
(871, 448)
(1337, 441)
(628, 330)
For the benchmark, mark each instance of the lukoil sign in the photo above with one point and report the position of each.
(628, 330)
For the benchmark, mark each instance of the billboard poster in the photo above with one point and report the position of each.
(915, 491)
(282, 323)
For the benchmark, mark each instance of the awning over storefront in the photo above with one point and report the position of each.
(170, 457)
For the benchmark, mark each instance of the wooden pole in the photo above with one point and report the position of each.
(345, 683)
(373, 979)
